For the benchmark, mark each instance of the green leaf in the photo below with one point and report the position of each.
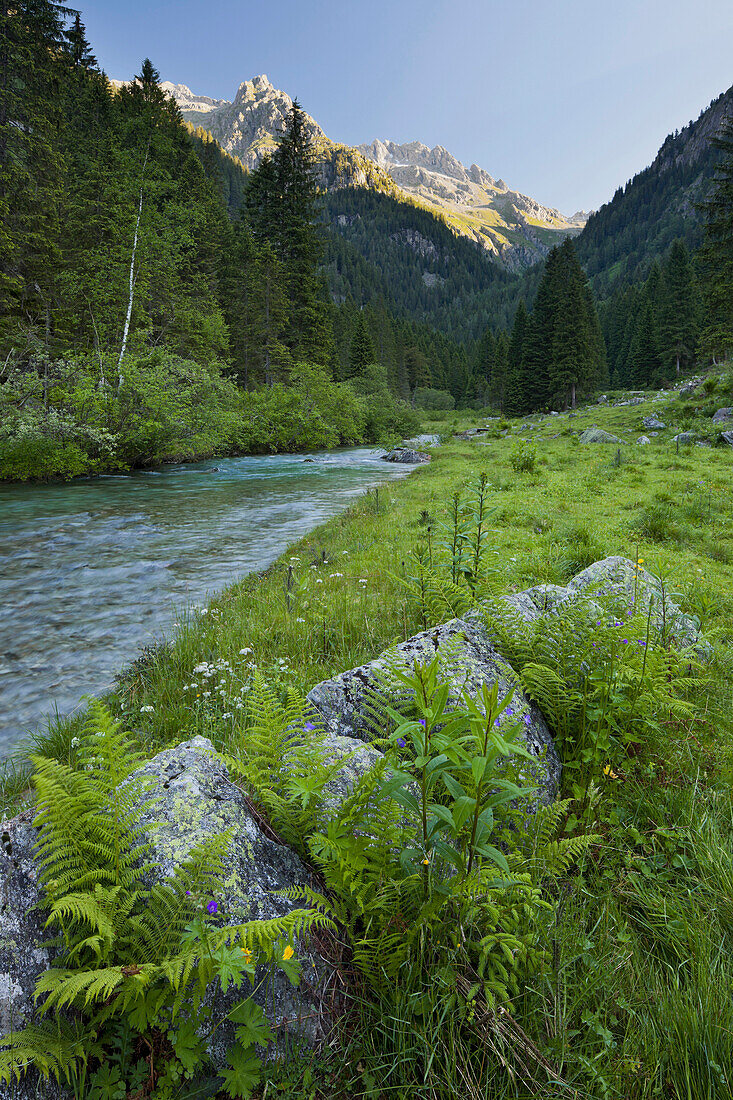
(190, 1050)
(254, 1027)
(244, 1074)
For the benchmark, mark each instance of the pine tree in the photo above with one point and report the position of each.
(31, 171)
(361, 351)
(717, 255)
(282, 198)
(516, 392)
(678, 314)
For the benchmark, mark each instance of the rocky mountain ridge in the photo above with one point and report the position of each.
(513, 228)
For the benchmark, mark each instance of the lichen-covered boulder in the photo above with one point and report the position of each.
(22, 956)
(653, 423)
(684, 438)
(407, 456)
(350, 703)
(192, 799)
(643, 440)
(632, 589)
(540, 600)
(597, 435)
(722, 416)
(727, 437)
(358, 759)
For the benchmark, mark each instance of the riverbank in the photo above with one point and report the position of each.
(621, 1004)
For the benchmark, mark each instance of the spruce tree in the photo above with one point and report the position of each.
(361, 351)
(678, 315)
(516, 391)
(717, 255)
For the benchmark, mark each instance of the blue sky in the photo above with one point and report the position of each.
(564, 100)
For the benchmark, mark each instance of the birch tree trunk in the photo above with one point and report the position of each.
(126, 330)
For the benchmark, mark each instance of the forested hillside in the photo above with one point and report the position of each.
(622, 240)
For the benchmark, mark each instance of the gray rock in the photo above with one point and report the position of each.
(722, 416)
(603, 399)
(404, 455)
(617, 579)
(597, 435)
(689, 387)
(642, 440)
(654, 422)
(192, 799)
(539, 600)
(359, 758)
(684, 437)
(727, 437)
(350, 703)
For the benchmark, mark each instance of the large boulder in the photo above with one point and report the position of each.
(686, 438)
(653, 423)
(628, 588)
(722, 416)
(643, 440)
(192, 799)
(727, 437)
(597, 435)
(350, 703)
(616, 584)
(407, 456)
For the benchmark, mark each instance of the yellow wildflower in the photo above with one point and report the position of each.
(247, 955)
(609, 772)
(426, 862)
(288, 953)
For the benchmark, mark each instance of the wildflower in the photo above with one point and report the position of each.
(147, 710)
(300, 620)
(207, 694)
(188, 893)
(624, 641)
(74, 742)
(509, 712)
(227, 715)
(345, 552)
(426, 862)
(528, 720)
(609, 772)
(247, 955)
(288, 953)
(212, 908)
(204, 611)
(308, 727)
(641, 641)
(318, 580)
(245, 652)
(401, 742)
(421, 721)
(335, 575)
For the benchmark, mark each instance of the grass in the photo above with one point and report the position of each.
(634, 999)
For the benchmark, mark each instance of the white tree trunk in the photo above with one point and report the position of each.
(126, 329)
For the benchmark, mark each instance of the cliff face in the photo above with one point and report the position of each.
(513, 228)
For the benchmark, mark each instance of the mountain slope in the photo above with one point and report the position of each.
(514, 230)
(622, 239)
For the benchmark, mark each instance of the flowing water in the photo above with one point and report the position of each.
(92, 570)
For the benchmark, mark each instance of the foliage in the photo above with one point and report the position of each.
(128, 955)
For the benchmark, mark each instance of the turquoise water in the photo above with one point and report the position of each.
(93, 570)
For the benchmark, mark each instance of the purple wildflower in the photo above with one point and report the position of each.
(421, 721)
(497, 723)
(625, 641)
(509, 711)
(528, 719)
(188, 893)
(401, 742)
(309, 726)
(641, 642)
(212, 908)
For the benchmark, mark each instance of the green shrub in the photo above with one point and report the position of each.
(427, 398)
(523, 456)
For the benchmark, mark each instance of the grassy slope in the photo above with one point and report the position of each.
(634, 1002)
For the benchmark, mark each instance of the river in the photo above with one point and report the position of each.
(94, 569)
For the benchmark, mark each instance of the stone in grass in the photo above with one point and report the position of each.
(192, 800)
(722, 416)
(643, 440)
(406, 456)
(684, 438)
(653, 422)
(727, 437)
(617, 578)
(350, 708)
(613, 579)
(597, 435)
